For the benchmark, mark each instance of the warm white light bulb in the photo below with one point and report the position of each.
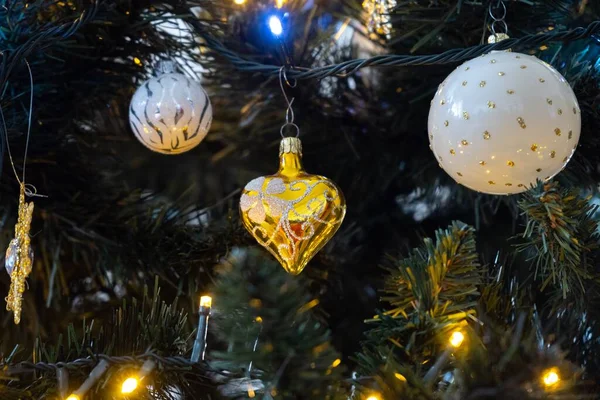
(205, 301)
(550, 377)
(275, 25)
(129, 385)
(457, 338)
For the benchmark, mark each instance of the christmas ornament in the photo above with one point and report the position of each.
(378, 16)
(170, 113)
(502, 120)
(19, 257)
(291, 213)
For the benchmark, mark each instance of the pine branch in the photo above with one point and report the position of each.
(560, 236)
(273, 330)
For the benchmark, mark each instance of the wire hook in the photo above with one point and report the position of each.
(289, 112)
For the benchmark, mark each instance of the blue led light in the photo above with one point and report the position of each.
(275, 25)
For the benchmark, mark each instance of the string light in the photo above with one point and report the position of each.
(550, 377)
(200, 342)
(279, 3)
(275, 25)
(456, 339)
(239, 1)
(129, 385)
(374, 397)
(206, 301)
(73, 397)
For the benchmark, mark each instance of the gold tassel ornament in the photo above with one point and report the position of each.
(19, 257)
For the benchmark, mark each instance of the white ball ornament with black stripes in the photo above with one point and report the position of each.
(503, 120)
(170, 113)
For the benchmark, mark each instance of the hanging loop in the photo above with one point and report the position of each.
(289, 112)
(500, 6)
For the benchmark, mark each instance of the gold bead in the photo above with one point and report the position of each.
(520, 185)
(534, 147)
(510, 91)
(508, 184)
(464, 83)
(542, 80)
(559, 111)
(442, 102)
(486, 135)
(491, 182)
(552, 154)
(539, 170)
(468, 68)
(446, 123)
(574, 110)
(452, 152)
(523, 66)
(518, 57)
(482, 163)
(557, 131)
(501, 73)
(491, 104)
(565, 159)
(510, 163)
(482, 84)
(465, 115)
(492, 61)
(521, 122)
(549, 101)
(459, 174)
(570, 134)
(464, 142)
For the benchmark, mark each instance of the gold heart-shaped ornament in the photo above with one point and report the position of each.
(291, 213)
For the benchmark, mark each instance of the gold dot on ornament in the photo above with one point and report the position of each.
(542, 80)
(565, 159)
(459, 174)
(446, 123)
(441, 159)
(442, 102)
(482, 163)
(523, 66)
(492, 61)
(464, 83)
(491, 104)
(510, 91)
(574, 110)
(559, 111)
(510, 163)
(549, 101)
(464, 142)
(482, 84)
(501, 73)
(570, 134)
(539, 170)
(508, 184)
(518, 57)
(468, 68)
(552, 154)
(465, 115)
(546, 178)
(520, 185)
(521, 122)
(534, 147)
(486, 135)
(491, 182)
(557, 131)
(452, 152)
(430, 137)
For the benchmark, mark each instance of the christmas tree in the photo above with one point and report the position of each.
(451, 253)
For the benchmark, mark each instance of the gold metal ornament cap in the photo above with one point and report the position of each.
(290, 145)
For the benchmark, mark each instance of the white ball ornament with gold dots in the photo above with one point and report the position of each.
(502, 120)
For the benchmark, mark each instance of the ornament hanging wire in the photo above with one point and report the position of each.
(30, 190)
(289, 112)
(498, 14)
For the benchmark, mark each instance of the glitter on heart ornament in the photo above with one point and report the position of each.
(291, 213)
